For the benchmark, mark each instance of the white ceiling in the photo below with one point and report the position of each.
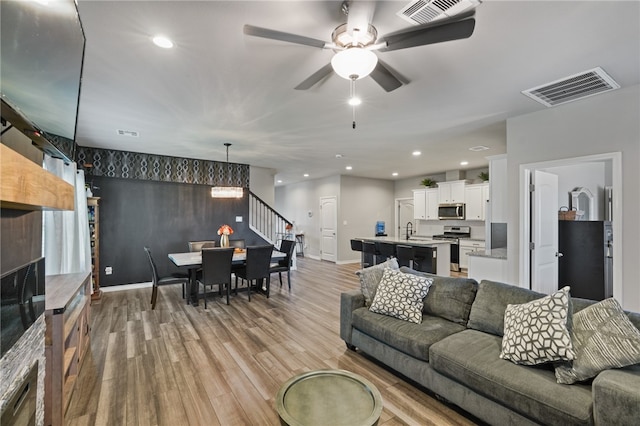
(218, 85)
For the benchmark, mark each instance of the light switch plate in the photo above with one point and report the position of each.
(238, 219)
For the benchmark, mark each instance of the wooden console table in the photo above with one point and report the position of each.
(67, 306)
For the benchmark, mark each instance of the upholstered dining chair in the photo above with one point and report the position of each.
(199, 245)
(256, 267)
(216, 270)
(284, 265)
(158, 281)
(237, 243)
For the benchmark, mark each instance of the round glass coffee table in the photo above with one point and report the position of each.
(329, 397)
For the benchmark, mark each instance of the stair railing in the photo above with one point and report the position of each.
(265, 221)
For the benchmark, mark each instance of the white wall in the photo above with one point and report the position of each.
(586, 175)
(262, 184)
(600, 124)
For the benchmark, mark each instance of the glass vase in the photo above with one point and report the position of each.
(224, 240)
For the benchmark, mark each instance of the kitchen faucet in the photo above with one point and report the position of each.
(407, 228)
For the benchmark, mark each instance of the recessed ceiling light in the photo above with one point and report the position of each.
(306, 175)
(464, 163)
(349, 168)
(162, 41)
(338, 155)
(355, 101)
(279, 181)
(416, 153)
(394, 174)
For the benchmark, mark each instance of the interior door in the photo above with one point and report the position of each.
(404, 216)
(544, 233)
(328, 228)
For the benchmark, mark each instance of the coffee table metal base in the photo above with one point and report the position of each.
(329, 397)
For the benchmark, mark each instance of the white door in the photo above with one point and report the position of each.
(544, 233)
(404, 215)
(328, 225)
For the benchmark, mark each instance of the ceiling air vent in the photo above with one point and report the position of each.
(420, 12)
(573, 88)
(130, 133)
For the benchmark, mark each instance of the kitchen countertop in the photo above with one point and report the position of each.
(422, 241)
(497, 253)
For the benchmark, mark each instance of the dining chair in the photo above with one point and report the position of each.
(284, 265)
(256, 267)
(216, 270)
(199, 245)
(157, 281)
(237, 243)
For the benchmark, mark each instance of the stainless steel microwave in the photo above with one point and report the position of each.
(451, 211)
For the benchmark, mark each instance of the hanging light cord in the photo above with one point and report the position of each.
(352, 96)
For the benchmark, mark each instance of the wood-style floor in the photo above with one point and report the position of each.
(180, 364)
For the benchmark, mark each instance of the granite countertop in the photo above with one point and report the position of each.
(496, 253)
(422, 241)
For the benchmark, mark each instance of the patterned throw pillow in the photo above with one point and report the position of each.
(400, 295)
(536, 332)
(603, 337)
(370, 278)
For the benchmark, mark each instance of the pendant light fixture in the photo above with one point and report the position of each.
(227, 191)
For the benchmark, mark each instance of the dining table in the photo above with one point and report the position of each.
(192, 261)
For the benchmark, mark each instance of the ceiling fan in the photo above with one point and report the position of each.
(356, 41)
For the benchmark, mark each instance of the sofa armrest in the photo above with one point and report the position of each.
(349, 302)
(616, 396)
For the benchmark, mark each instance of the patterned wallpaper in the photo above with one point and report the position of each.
(133, 165)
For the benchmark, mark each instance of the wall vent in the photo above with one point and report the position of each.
(478, 148)
(420, 12)
(573, 88)
(130, 133)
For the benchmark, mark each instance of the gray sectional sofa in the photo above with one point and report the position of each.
(454, 352)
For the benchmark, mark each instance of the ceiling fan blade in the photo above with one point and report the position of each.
(385, 78)
(279, 35)
(451, 29)
(315, 77)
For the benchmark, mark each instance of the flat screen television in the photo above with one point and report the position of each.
(41, 59)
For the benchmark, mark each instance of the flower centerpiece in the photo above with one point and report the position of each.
(224, 231)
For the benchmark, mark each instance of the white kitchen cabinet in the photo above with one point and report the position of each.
(451, 192)
(466, 247)
(476, 197)
(425, 204)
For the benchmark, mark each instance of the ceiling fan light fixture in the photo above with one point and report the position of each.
(355, 101)
(354, 63)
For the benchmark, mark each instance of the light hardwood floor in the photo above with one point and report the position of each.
(181, 364)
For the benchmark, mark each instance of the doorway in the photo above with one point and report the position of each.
(531, 221)
(404, 215)
(328, 228)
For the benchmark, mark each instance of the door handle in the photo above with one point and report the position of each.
(559, 254)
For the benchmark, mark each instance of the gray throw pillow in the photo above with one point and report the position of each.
(603, 337)
(400, 295)
(370, 278)
(536, 332)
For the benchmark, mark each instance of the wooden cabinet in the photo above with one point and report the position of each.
(451, 192)
(93, 213)
(67, 337)
(476, 198)
(425, 204)
(466, 247)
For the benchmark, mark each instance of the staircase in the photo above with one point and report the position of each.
(265, 221)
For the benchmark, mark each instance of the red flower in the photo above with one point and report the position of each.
(225, 229)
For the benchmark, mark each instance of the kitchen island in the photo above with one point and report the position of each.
(443, 255)
(488, 265)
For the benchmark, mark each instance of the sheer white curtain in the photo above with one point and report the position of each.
(66, 233)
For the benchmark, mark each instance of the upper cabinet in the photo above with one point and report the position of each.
(451, 192)
(425, 204)
(476, 199)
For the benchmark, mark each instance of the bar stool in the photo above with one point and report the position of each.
(370, 253)
(385, 250)
(424, 259)
(356, 245)
(405, 255)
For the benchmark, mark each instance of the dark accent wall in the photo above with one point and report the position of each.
(163, 216)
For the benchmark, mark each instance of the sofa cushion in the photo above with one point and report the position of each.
(487, 311)
(400, 295)
(536, 332)
(412, 339)
(603, 338)
(471, 358)
(616, 400)
(448, 297)
(370, 278)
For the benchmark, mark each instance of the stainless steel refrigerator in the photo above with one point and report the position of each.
(586, 263)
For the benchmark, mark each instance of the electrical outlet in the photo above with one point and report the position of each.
(108, 270)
